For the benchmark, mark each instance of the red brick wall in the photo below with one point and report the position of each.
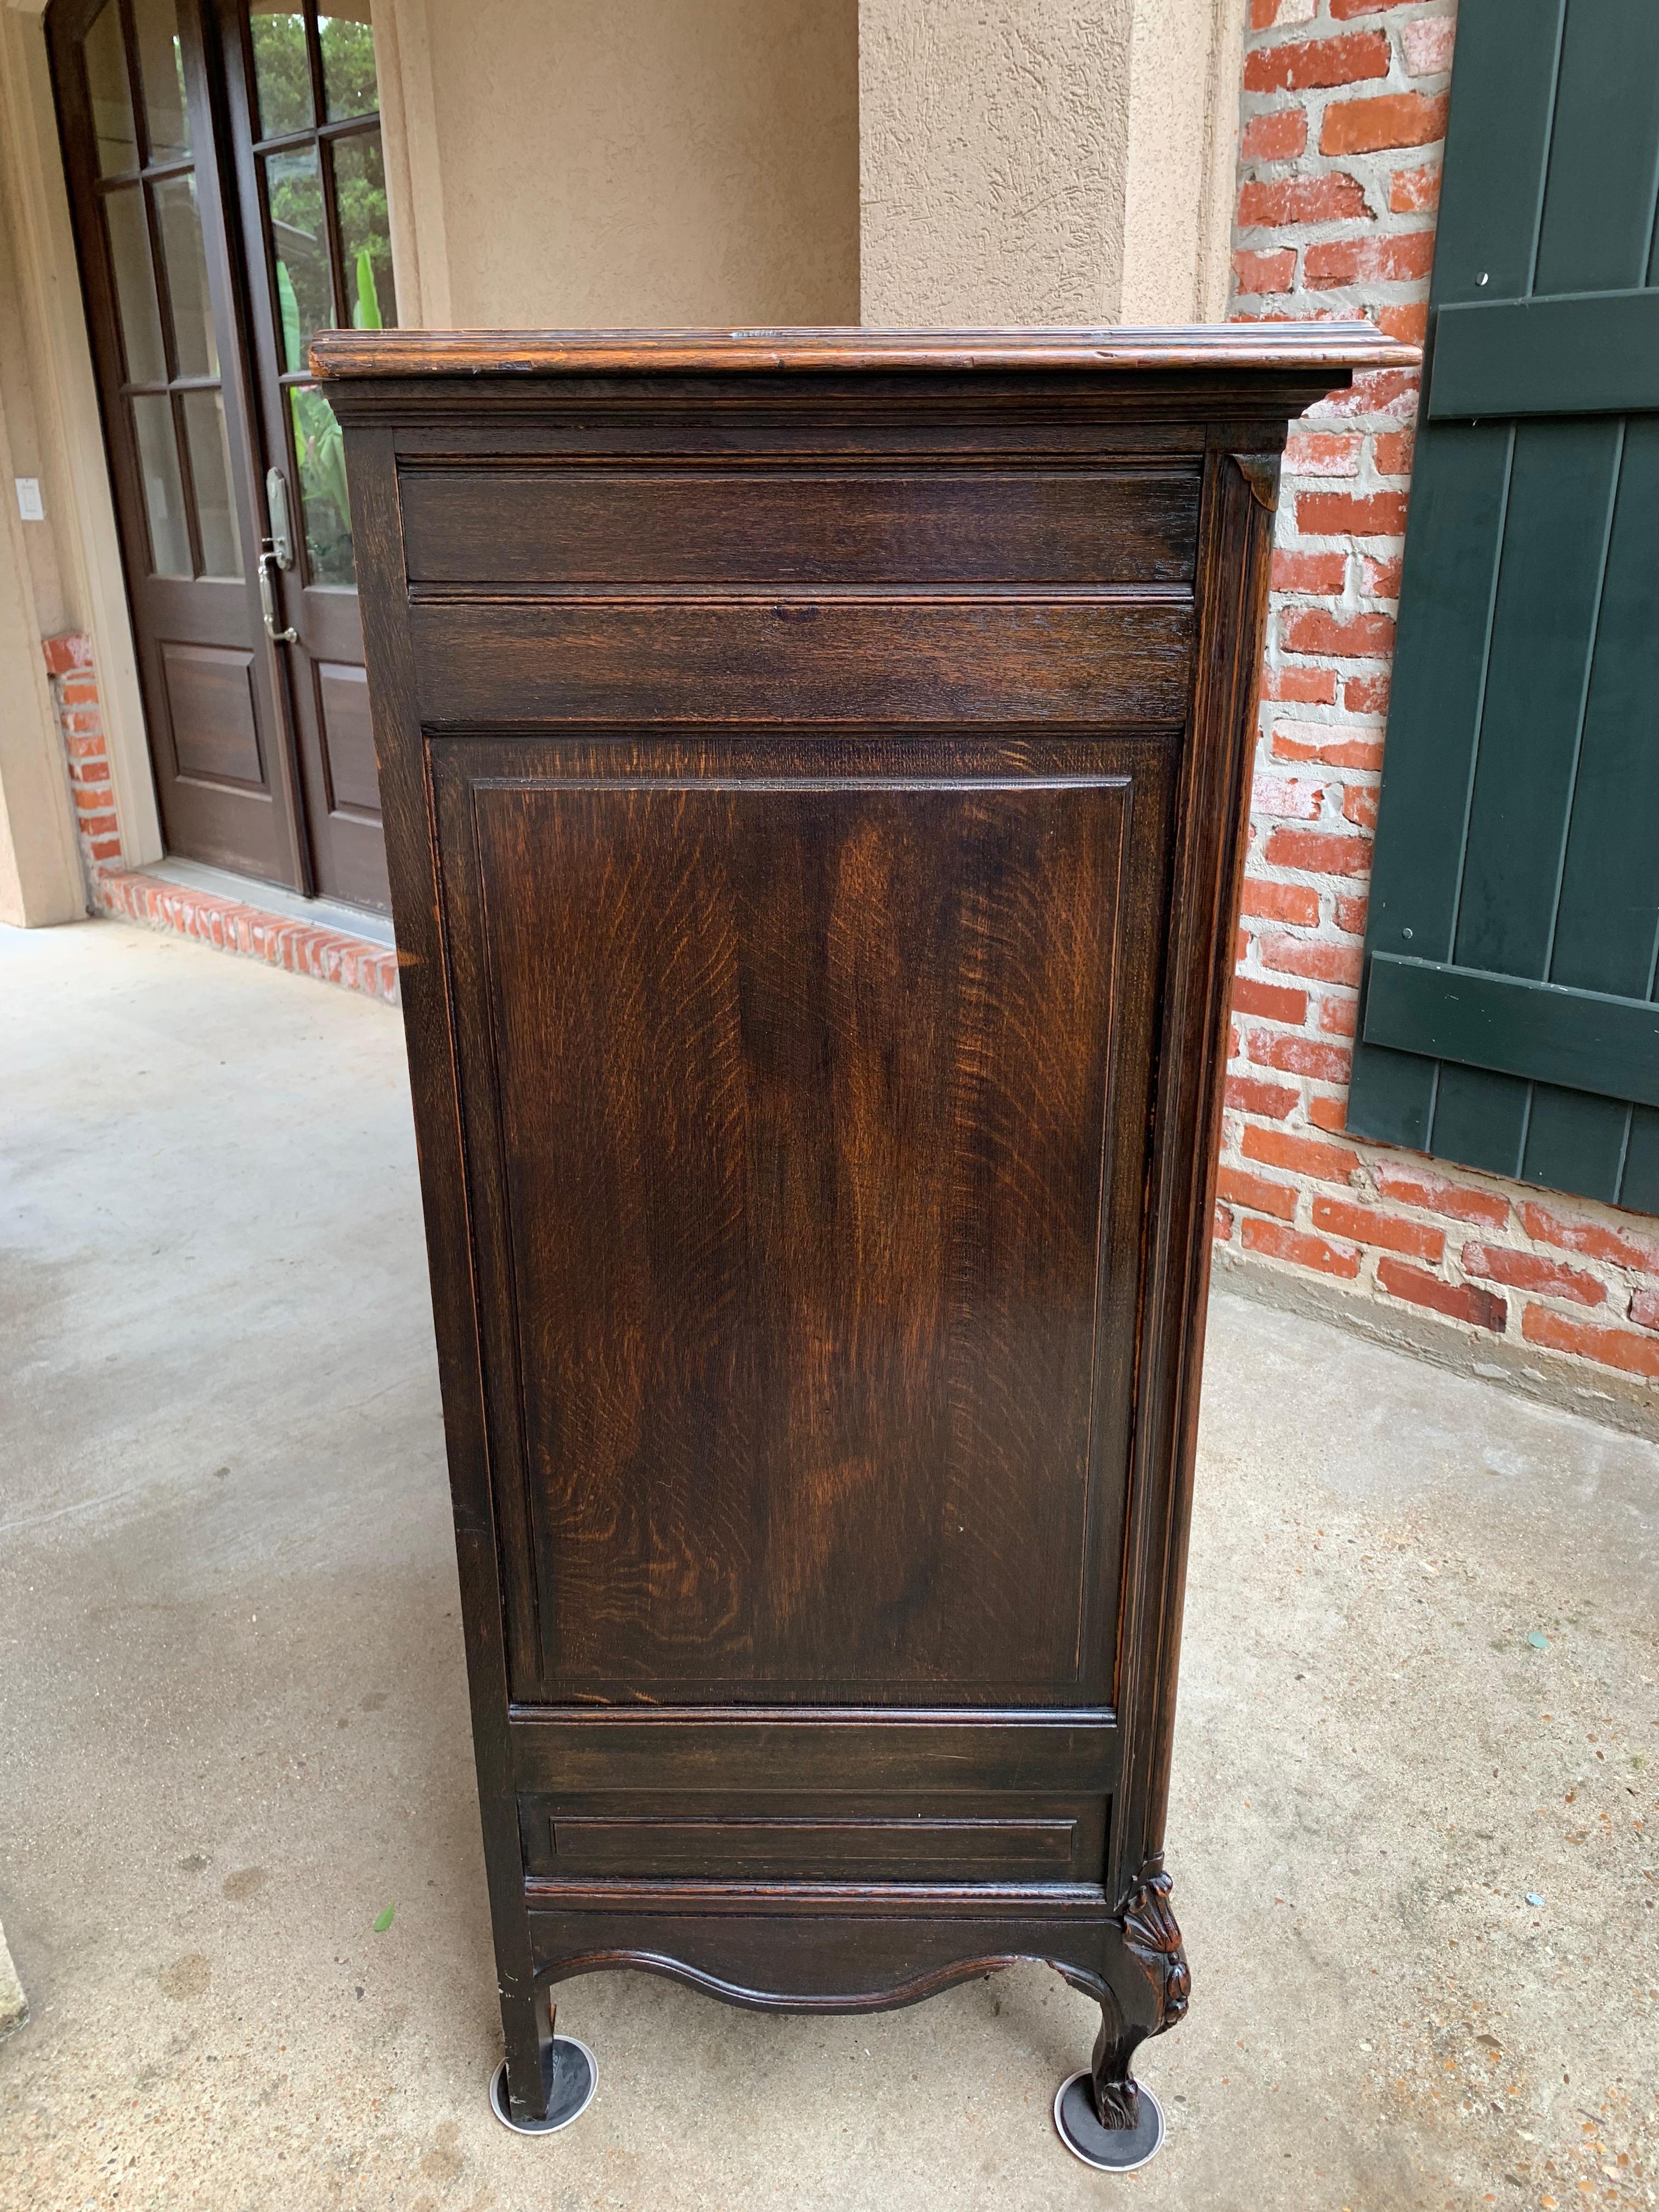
(79, 717)
(227, 925)
(1343, 111)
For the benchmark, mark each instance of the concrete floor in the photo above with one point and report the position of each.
(233, 1728)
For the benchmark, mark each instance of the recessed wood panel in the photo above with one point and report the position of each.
(833, 1844)
(348, 738)
(850, 525)
(803, 1087)
(742, 1752)
(517, 662)
(210, 688)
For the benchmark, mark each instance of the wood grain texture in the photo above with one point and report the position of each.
(486, 662)
(1342, 348)
(802, 1748)
(829, 1842)
(817, 983)
(789, 523)
(1213, 814)
(822, 1947)
(803, 1083)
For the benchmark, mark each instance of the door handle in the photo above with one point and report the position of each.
(268, 603)
(280, 540)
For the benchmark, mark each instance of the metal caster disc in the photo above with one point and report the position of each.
(572, 2075)
(1113, 2150)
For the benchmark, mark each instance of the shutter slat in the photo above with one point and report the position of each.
(1584, 1040)
(1459, 488)
(1609, 908)
(1598, 193)
(1578, 353)
(1559, 500)
(1639, 1187)
(1496, 140)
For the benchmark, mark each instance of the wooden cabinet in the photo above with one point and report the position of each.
(814, 766)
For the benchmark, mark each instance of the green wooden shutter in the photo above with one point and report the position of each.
(1509, 1017)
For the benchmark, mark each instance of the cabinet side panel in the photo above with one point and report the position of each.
(802, 1069)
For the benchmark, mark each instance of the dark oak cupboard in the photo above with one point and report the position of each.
(814, 766)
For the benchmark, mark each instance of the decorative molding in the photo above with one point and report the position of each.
(1152, 1939)
(1261, 472)
(890, 1998)
(1152, 1933)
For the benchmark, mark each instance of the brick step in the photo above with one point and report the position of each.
(229, 925)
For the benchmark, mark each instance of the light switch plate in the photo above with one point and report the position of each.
(29, 503)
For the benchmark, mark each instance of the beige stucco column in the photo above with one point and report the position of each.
(1046, 161)
(39, 862)
(64, 572)
(40, 877)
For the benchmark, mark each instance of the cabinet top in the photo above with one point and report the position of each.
(1339, 347)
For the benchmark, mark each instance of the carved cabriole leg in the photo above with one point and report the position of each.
(1129, 2014)
(1117, 2094)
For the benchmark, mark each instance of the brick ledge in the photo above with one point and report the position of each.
(1575, 1386)
(303, 948)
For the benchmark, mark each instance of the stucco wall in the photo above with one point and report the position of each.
(615, 162)
(1047, 160)
(1179, 162)
(991, 158)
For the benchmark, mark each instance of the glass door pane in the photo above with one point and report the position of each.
(165, 314)
(104, 55)
(183, 256)
(207, 438)
(365, 232)
(299, 248)
(284, 93)
(135, 285)
(348, 43)
(161, 66)
(327, 238)
(164, 495)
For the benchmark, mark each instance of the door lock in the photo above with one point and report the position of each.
(268, 560)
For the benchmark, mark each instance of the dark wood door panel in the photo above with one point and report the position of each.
(348, 740)
(484, 663)
(201, 819)
(811, 1158)
(210, 708)
(209, 610)
(206, 707)
(796, 523)
(342, 786)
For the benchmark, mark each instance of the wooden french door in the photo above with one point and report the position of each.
(228, 191)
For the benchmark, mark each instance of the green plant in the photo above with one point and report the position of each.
(320, 457)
